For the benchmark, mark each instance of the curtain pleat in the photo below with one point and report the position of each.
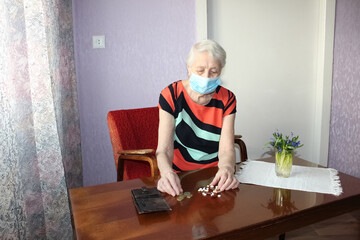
(40, 157)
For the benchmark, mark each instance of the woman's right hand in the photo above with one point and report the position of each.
(170, 183)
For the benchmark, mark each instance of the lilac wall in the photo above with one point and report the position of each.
(344, 146)
(146, 46)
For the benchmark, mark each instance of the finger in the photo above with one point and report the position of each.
(168, 187)
(222, 182)
(215, 180)
(236, 183)
(159, 186)
(178, 183)
(226, 184)
(175, 183)
(233, 184)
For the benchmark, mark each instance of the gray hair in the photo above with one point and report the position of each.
(210, 46)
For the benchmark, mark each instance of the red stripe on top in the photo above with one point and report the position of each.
(181, 163)
(208, 115)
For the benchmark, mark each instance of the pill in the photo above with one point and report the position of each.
(213, 191)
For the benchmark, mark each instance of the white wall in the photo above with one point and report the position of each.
(272, 67)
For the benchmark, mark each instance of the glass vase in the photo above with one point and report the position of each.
(283, 163)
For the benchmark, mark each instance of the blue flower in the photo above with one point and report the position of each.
(284, 143)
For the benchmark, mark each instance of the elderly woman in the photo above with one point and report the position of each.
(196, 128)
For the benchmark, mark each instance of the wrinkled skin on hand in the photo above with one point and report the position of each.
(170, 183)
(225, 179)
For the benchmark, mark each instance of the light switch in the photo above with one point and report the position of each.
(98, 41)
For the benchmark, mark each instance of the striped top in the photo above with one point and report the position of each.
(197, 127)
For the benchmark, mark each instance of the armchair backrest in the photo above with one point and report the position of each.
(132, 129)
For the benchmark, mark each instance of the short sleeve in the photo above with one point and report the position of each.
(230, 103)
(167, 99)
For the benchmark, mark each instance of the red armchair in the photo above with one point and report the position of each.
(133, 135)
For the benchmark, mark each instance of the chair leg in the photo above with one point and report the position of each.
(282, 236)
(120, 172)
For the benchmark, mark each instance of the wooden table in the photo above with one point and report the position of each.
(250, 212)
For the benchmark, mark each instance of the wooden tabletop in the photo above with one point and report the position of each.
(107, 211)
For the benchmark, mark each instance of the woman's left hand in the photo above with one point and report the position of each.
(225, 179)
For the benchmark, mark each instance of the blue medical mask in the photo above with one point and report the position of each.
(203, 85)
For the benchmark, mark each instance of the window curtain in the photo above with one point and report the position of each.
(40, 157)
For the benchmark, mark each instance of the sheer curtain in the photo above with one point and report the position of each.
(40, 156)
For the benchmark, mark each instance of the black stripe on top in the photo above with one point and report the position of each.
(173, 92)
(165, 105)
(176, 168)
(204, 126)
(231, 102)
(187, 136)
(218, 89)
(215, 103)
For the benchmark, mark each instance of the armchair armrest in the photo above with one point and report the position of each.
(146, 155)
(237, 136)
(243, 150)
(137, 151)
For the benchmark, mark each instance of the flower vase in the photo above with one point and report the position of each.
(283, 163)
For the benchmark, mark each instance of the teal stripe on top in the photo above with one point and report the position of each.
(200, 133)
(197, 154)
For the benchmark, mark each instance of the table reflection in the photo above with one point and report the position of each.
(198, 211)
(280, 203)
